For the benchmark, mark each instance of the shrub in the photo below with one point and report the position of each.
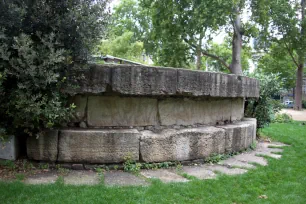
(265, 107)
(40, 42)
(283, 118)
(304, 104)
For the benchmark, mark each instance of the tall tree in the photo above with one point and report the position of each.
(129, 16)
(186, 27)
(224, 50)
(194, 23)
(283, 21)
(278, 61)
(123, 46)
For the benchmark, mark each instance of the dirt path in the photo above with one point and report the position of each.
(296, 115)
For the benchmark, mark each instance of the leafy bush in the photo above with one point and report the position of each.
(265, 107)
(304, 104)
(40, 43)
(283, 118)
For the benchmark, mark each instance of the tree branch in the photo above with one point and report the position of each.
(291, 55)
(217, 58)
(210, 55)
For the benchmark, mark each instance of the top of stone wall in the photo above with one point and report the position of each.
(159, 81)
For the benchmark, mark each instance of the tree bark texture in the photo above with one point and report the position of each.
(235, 66)
(299, 73)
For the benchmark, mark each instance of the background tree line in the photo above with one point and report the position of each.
(180, 34)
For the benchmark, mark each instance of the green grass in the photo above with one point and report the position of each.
(282, 181)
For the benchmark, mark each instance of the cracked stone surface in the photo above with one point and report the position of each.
(164, 175)
(82, 178)
(199, 171)
(120, 178)
(232, 162)
(251, 158)
(42, 178)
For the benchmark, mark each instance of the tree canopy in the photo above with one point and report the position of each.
(284, 22)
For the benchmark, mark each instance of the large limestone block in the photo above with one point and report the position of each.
(183, 111)
(121, 111)
(194, 83)
(91, 78)
(253, 123)
(9, 149)
(239, 136)
(237, 109)
(144, 80)
(98, 146)
(179, 145)
(43, 148)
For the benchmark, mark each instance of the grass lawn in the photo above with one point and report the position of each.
(282, 181)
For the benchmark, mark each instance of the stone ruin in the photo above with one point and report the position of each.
(153, 114)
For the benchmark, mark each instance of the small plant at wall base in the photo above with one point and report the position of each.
(130, 165)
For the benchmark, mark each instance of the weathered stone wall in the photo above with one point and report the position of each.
(111, 146)
(159, 81)
(151, 114)
(119, 111)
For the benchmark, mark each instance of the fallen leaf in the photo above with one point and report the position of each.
(263, 197)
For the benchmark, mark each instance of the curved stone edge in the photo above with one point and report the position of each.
(158, 81)
(197, 143)
(111, 146)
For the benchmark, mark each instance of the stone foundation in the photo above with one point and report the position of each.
(111, 146)
(151, 114)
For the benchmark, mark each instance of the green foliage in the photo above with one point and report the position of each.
(215, 158)
(278, 61)
(40, 42)
(20, 177)
(177, 28)
(283, 22)
(8, 163)
(253, 145)
(304, 104)
(32, 98)
(78, 24)
(130, 165)
(283, 118)
(265, 108)
(122, 46)
(224, 51)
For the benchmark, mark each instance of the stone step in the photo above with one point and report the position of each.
(82, 178)
(199, 172)
(42, 178)
(225, 170)
(251, 158)
(164, 175)
(232, 162)
(120, 178)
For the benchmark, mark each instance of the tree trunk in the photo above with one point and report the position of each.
(299, 88)
(235, 66)
(199, 54)
(299, 73)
